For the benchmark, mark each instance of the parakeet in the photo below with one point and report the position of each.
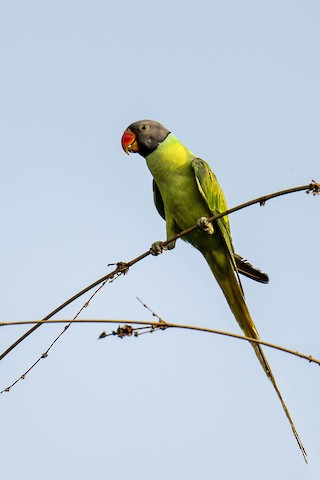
(186, 192)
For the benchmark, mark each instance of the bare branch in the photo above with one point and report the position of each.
(313, 188)
(129, 331)
(122, 267)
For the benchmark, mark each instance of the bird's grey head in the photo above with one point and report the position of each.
(143, 137)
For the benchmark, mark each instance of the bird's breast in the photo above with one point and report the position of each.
(180, 194)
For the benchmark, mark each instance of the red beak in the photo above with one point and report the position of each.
(129, 142)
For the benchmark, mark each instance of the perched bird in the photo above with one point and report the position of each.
(186, 192)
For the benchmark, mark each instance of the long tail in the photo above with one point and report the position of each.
(231, 287)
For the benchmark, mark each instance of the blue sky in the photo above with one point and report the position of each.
(238, 83)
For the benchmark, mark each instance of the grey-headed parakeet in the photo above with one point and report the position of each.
(186, 192)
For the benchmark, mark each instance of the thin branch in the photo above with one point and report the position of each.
(154, 314)
(45, 354)
(123, 268)
(313, 187)
(163, 325)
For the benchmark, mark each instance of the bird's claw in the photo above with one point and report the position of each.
(205, 226)
(157, 248)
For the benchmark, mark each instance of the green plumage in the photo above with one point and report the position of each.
(185, 189)
(190, 190)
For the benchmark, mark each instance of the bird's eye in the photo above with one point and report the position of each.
(144, 127)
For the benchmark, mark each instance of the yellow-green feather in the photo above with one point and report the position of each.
(190, 190)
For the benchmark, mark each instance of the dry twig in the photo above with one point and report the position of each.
(127, 330)
(123, 267)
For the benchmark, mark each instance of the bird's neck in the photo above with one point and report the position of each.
(170, 157)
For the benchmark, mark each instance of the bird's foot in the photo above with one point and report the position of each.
(205, 226)
(157, 248)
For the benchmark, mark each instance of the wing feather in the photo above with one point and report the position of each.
(158, 200)
(213, 195)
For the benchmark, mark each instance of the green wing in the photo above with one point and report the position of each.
(158, 200)
(243, 266)
(213, 195)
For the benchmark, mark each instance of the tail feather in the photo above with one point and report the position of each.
(247, 269)
(231, 287)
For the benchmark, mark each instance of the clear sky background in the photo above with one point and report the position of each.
(238, 83)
